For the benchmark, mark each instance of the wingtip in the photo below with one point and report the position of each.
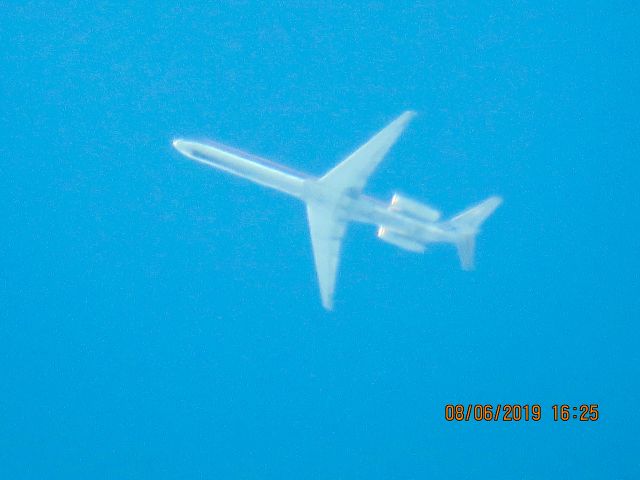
(327, 302)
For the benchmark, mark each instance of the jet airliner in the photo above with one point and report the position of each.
(336, 198)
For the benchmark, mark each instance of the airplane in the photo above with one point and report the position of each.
(336, 198)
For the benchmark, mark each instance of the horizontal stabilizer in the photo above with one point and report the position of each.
(467, 225)
(471, 219)
(466, 251)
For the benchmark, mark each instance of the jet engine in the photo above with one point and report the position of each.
(416, 210)
(399, 240)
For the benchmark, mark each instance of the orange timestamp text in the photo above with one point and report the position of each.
(515, 412)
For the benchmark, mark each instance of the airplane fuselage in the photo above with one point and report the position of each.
(350, 206)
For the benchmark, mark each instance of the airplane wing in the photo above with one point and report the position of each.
(326, 238)
(352, 173)
(349, 176)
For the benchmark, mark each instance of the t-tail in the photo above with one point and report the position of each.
(467, 225)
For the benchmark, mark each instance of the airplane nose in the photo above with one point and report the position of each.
(176, 144)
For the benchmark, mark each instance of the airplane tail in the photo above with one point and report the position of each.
(467, 225)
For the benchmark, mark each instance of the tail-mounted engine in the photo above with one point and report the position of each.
(416, 210)
(399, 240)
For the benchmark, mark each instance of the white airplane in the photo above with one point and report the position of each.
(336, 199)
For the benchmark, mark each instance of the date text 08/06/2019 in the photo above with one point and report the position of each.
(514, 412)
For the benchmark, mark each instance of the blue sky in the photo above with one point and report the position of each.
(162, 320)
